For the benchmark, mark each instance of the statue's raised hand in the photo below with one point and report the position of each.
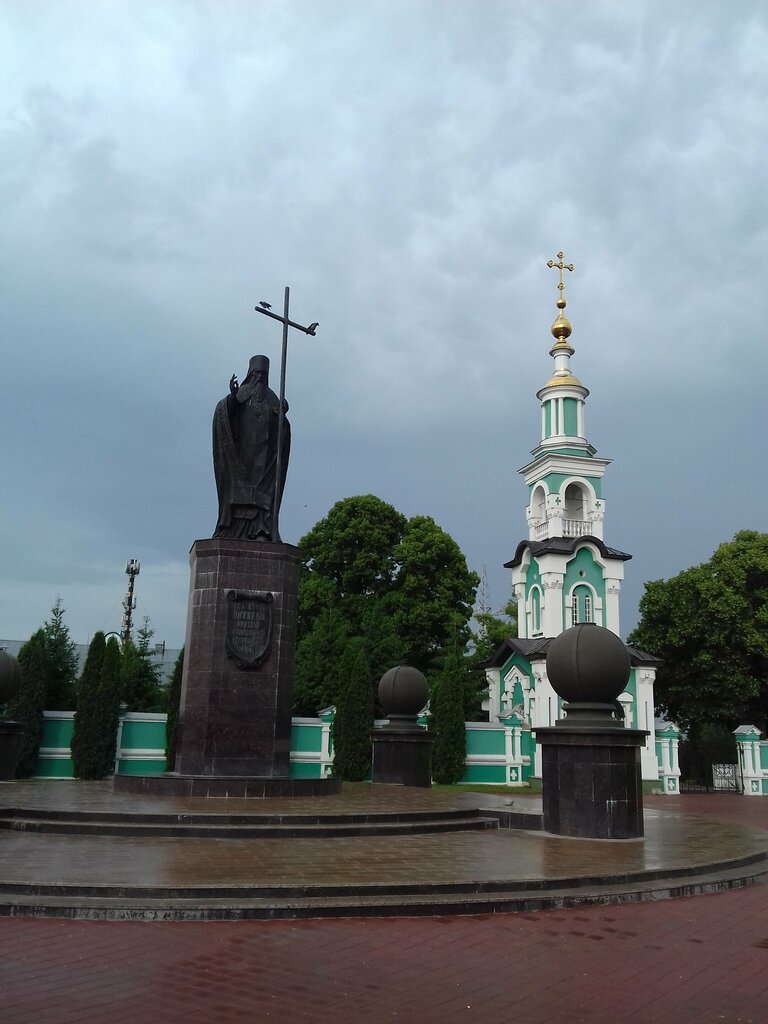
(233, 385)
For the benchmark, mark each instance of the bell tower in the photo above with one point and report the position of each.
(564, 573)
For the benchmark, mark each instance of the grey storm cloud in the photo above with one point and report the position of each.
(407, 168)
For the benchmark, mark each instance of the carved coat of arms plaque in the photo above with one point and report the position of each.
(249, 627)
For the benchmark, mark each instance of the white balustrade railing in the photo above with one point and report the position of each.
(569, 527)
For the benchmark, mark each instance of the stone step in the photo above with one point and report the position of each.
(85, 826)
(249, 818)
(361, 902)
(747, 865)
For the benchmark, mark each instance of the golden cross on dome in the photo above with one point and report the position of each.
(561, 266)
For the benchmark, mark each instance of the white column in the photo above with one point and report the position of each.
(611, 606)
(552, 612)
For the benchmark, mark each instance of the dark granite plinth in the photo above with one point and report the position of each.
(234, 720)
(402, 757)
(591, 782)
(173, 784)
(11, 738)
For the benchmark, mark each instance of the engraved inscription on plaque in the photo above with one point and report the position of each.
(249, 627)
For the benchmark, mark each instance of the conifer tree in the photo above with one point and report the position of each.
(172, 722)
(447, 722)
(109, 686)
(354, 716)
(29, 703)
(86, 736)
(95, 735)
(62, 662)
(140, 688)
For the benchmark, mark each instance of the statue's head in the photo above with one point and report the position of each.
(258, 369)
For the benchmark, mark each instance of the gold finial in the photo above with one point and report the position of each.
(561, 328)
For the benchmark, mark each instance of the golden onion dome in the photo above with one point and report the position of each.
(561, 328)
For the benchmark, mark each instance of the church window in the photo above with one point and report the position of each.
(535, 611)
(582, 605)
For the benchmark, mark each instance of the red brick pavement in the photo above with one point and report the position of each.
(691, 961)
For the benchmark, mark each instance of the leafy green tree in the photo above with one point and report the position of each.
(318, 657)
(447, 721)
(712, 744)
(172, 722)
(433, 593)
(493, 630)
(86, 736)
(62, 662)
(140, 687)
(709, 624)
(29, 703)
(353, 550)
(354, 716)
(400, 586)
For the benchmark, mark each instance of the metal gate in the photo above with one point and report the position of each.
(726, 778)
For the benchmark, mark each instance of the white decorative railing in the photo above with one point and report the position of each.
(575, 527)
(570, 528)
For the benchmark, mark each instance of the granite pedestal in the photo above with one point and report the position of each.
(591, 781)
(237, 685)
(236, 692)
(11, 739)
(401, 757)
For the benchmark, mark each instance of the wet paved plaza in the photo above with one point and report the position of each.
(702, 959)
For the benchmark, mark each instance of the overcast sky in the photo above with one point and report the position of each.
(407, 167)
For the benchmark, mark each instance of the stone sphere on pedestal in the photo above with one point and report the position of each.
(403, 692)
(402, 750)
(588, 666)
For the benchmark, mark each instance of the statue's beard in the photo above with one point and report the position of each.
(251, 389)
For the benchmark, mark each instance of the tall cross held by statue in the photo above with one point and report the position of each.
(264, 308)
(561, 266)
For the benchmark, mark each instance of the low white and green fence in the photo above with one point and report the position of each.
(500, 753)
(497, 754)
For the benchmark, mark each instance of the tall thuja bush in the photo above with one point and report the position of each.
(86, 737)
(447, 722)
(109, 687)
(95, 735)
(354, 716)
(29, 703)
(172, 722)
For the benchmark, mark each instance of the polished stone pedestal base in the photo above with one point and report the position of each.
(11, 740)
(591, 782)
(402, 758)
(235, 716)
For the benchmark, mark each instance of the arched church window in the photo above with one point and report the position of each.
(582, 605)
(535, 610)
(539, 503)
